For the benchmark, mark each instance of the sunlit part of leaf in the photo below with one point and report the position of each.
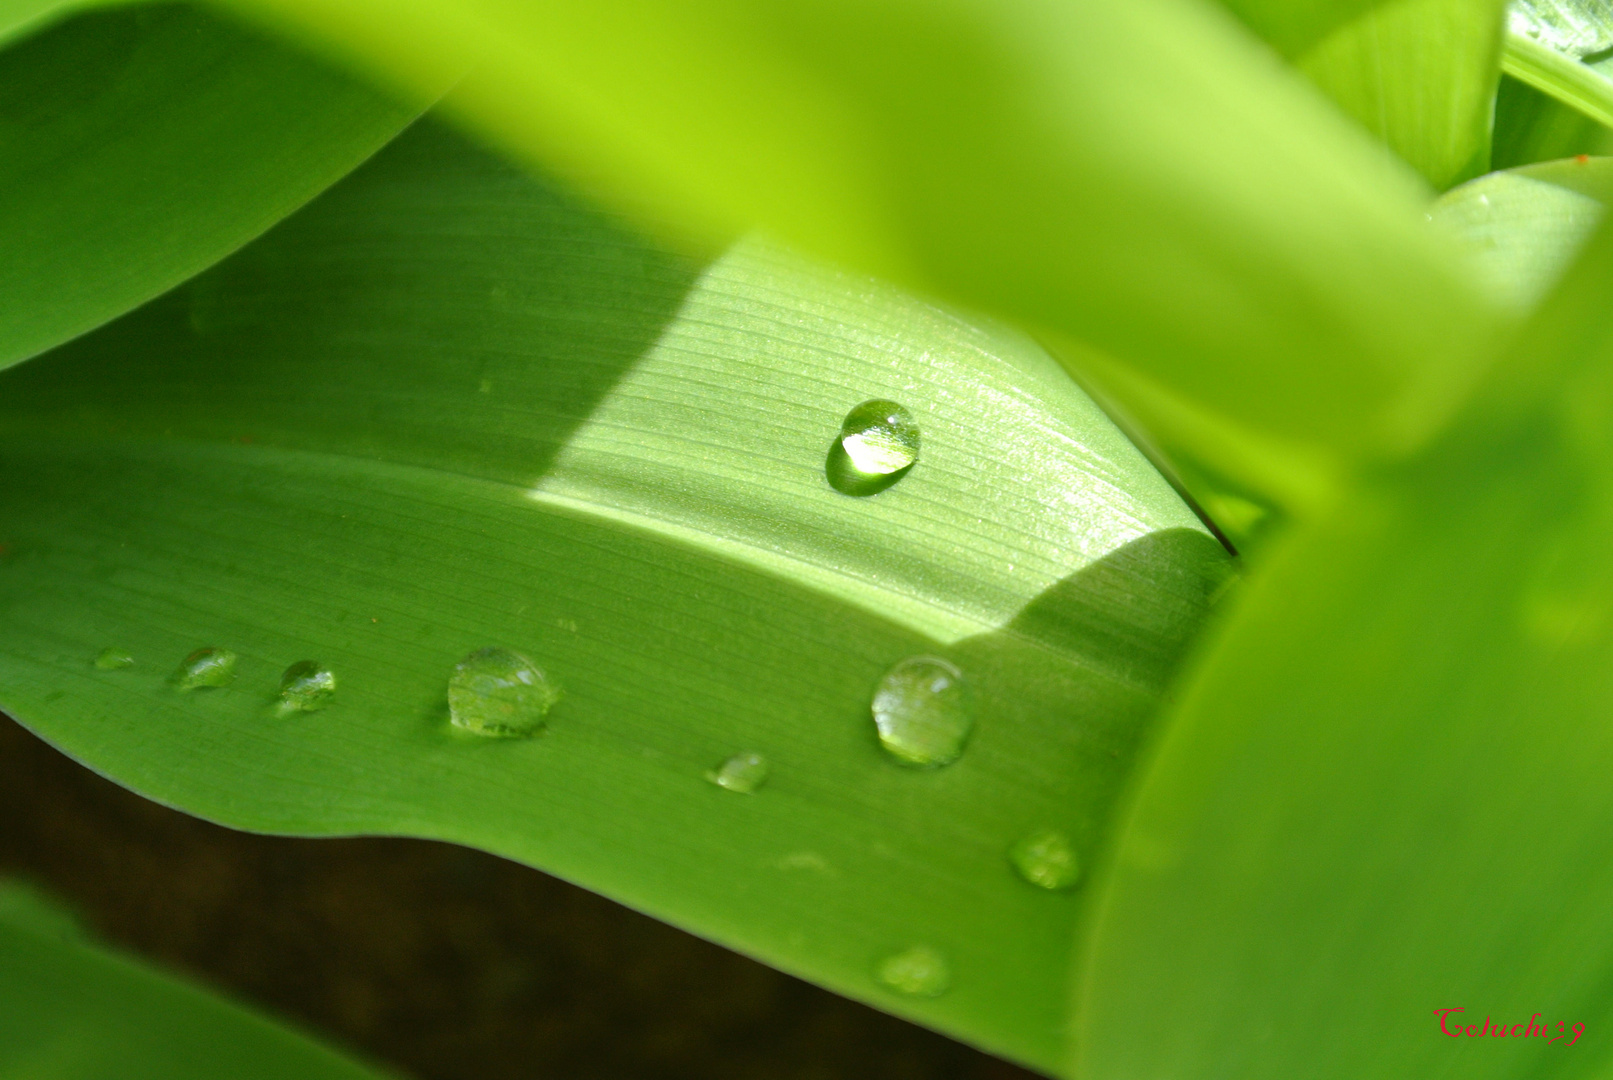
(1576, 28)
(72, 1011)
(143, 144)
(21, 17)
(444, 409)
(1525, 226)
(1386, 791)
(1583, 82)
(1421, 75)
(1138, 175)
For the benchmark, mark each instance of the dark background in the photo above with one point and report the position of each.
(442, 962)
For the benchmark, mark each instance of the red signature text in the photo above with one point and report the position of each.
(1452, 1025)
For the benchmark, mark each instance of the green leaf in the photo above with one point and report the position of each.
(1137, 175)
(1294, 26)
(1524, 227)
(1531, 127)
(140, 145)
(1560, 47)
(72, 1011)
(1420, 75)
(445, 408)
(1386, 792)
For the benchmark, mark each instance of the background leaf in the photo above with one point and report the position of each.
(1384, 793)
(141, 145)
(1140, 176)
(446, 408)
(1421, 75)
(71, 1011)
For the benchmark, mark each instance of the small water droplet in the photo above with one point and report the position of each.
(306, 686)
(1046, 858)
(878, 444)
(922, 711)
(500, 693)
(919, 972)
(113, 659)
(204, 668)
(743, 773)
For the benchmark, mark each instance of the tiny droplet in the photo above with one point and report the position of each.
(306, 686)
(878, 444)
(743, 773)
(113, 659)
(499, 693)
(919, 972)
(921, 709)
(1047, 859)
(204, 668)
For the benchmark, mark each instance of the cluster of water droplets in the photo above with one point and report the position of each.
(1572, 27)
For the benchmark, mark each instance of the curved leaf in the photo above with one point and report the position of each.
(1385, 792)
(1561, 47)
(71, 1011)
(444, 408)
(1138, 175)
(140, 145)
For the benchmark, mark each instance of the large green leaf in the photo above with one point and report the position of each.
(72, 1011)
(1561, 47)
(1531, 127)
(444, 408)
(1137, 174)
(140, 145)
(1294, 26)
(1421, 75)
(1386, 793)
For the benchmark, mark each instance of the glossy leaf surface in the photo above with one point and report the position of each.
(444, 409)
(141, 145)
(72, 1011)
(1068, 166)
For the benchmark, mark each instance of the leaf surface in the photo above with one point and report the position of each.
(445, 408)
(141, 145)
(72, 1011)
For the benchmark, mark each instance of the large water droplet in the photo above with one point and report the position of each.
(1046, 858)
(204, 668)
(743, 773)
(1573, 27)
(920, 972)
(306, 686)
(922, 711)
(500, 693)
(113, 659)
(878, 444)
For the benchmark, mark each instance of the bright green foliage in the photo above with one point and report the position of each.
(140, 145)
(1294, 26)
(72, 1011)
(1420, 75)
(1560, 47)
(444, 409)
(1067, 165)
(1386, 792)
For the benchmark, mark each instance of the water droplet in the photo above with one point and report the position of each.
(204, 668)
(1046, 858)
(113, 659)
(306, 686)
(1568, 26)
(499, 693)
(878, 444)
(920, 972)
(921, 709)
(743, 773)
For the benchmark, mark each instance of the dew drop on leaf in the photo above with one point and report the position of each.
(113, 660)
(743, 773)
(306, 686)
(499, 693)
(918, 972)
(922, 712)
(1047, 859)
(204, 668)
(878, 444)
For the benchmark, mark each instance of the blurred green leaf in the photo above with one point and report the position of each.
(1420, 75)
(72, 1011)
(1385, 792)
(140, 145)
(1531, 127)
(1294, 26)
(445, 408)
(1523, 227)
(1138, 175)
